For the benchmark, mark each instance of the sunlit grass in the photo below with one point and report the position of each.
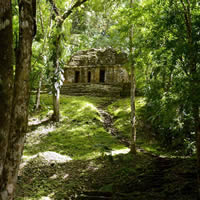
(80, 135)
(121, 112)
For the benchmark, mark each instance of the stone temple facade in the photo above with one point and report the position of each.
(97, 72)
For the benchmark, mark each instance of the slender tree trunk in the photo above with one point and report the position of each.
(56, 87)
(133, 119)
(6, 84)
(37, 101)
(20, 99)
(133, 86)
(56, 107)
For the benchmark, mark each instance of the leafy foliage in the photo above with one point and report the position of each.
(168, 87)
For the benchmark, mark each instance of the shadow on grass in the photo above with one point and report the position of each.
(125, 177)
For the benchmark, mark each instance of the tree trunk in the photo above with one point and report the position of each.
(133, 120)
(37, 101)
(6, 84)
(56, 86)
(133, 86)
(56, 107)
(19, 117)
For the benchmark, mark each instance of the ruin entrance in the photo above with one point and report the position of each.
(77, 76)
(102, 76)
(89, 77)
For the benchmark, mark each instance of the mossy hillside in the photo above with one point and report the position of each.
(121, 112)
(80, 134)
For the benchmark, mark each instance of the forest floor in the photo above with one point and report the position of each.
(86, 156)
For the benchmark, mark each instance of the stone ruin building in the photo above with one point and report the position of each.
(97, 72)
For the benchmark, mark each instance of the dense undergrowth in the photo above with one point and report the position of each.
(96, 160)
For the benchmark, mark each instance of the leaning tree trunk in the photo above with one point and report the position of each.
(133, 86)
(6, 83)
(20, 97)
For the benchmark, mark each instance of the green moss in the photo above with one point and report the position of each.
(121, 111)
(79, 135)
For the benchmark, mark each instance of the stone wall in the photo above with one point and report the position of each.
(113, 74)
(96, 66)
(86, 89)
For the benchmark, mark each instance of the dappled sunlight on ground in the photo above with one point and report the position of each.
(34, 137)
(48, 157)
(120, 151)
(45, 198)
(80, 134)
(87, 105)
(63, 160)
(104, 151)
(53, 157)
(78, 139)
(34, 121)
(44, 130)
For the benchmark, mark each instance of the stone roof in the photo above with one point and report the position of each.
(97, 57)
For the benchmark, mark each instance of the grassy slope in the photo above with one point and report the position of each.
(81, 135)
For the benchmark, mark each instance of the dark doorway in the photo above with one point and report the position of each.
(77, 76)
(102, 76)
(89, 77)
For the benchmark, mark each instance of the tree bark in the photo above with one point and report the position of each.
(19, 117)
(6, 83)
(37, 101)
(56, 106)
(133, 117)
(133, 86)
(56, 88)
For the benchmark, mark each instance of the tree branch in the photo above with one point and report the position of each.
(68, 12)
(187, 19)
(55, 9)
(76, 5)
